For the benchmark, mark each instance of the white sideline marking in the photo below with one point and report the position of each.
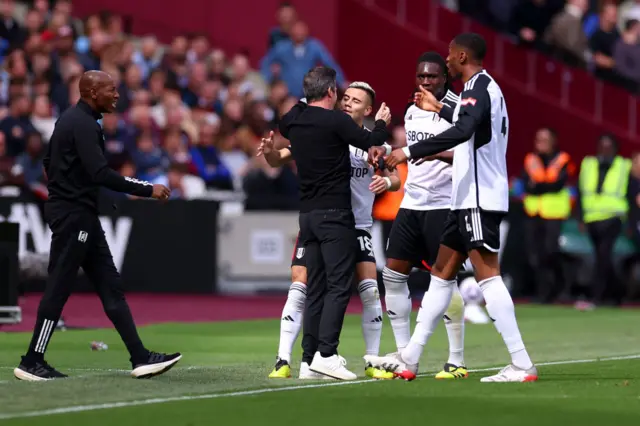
(93, 407)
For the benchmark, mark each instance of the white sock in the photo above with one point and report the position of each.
(434, 304)
(502, 312)
(398, 302)
(291, 319)
(371, 315)
(454, 321)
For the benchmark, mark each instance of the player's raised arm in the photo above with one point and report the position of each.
(474, 106)
(360, 137)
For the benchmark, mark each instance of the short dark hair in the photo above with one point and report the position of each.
(611, 137)
(317, 83)
(630, 23)
(473, 43)
(552, 132)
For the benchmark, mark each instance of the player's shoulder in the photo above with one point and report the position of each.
(479, 82)
(451, 99)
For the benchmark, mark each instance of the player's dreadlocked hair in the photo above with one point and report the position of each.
(473, 43)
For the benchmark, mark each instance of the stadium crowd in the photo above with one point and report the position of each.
(190, 115)
(601, 35)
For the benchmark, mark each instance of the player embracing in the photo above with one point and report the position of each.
(358, 102)
(480, 199)
(415, 234)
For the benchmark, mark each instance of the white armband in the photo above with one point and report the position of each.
(387, 180)
(406, 151)
(387, 147)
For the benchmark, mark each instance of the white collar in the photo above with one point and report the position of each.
(574, 11)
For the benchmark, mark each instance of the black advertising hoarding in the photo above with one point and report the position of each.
(158, 247)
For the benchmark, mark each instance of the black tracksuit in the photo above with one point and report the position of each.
(76, 168)
(320, 140)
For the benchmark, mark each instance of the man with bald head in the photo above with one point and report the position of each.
(76, 169)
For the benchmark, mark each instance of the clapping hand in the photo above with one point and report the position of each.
(266, 145)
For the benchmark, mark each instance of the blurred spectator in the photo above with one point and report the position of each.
(42, 117)
(29, 163)
(269, 188)
(151, 163)
(295, 57)
(603, 40)
(9, 175)
(626, 54)
(629, 9)
(10, 30)
(530, 20)
(286, 17)
(566, 36)
(115, 139)
(198, 49)
(17, 125)
(248, 81)
(148, 57)
(206, 161)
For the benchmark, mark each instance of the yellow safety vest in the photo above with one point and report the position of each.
(553, 205)
(611, 201)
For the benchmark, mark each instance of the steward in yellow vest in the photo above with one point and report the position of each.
(603, 185)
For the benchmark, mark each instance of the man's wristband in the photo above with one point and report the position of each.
(388, 148)
(406, 151)
(387, 179)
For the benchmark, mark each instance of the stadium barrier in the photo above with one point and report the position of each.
(168, 247)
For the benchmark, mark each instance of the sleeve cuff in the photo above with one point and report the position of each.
(406, 151)
(388, 148)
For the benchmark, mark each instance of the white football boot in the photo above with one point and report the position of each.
(335, 367)
(306, 374)
(511, 374)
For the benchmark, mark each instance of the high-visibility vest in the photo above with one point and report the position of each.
(386, 206)
(611, 201)
(553, 205)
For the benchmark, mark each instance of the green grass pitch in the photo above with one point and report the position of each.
(592, 377)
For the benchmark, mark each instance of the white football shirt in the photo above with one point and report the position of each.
(361, 196)
(479, 165)
(428, 185)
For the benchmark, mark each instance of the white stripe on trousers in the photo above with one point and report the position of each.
(45, 335)
(476, 224)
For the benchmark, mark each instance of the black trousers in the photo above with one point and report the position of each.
(605, 285)
(542, 237)
(78, 240)
(330, 242)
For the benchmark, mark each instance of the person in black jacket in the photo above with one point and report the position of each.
(320, 137)
(76, 169)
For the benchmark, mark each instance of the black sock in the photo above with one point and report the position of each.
(326, 355)
(42, 333)
(121, 317)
